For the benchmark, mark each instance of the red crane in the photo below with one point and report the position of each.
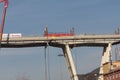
(3, 17)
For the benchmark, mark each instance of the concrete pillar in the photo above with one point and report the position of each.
(70, 62)
(106, 57)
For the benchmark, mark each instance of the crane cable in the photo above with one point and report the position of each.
(60, 68)
(47, 62)
(75, 56)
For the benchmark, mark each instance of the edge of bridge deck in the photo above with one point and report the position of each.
(79, 40)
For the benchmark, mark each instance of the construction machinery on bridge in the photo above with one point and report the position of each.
(49, 34)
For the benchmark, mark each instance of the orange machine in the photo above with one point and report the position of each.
(48, 34)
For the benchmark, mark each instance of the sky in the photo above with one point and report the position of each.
(30, 17)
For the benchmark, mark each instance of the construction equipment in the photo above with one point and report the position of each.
(3, 17)
(48, 34)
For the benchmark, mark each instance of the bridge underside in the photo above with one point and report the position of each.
(53, 44)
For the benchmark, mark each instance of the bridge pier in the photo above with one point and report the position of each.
(106, 57)
(70, 62)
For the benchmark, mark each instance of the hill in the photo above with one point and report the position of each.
(93, 75)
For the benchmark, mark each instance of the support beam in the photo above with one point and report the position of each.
(106, 57)
(70, 62)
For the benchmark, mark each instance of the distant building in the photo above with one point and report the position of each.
(113, 75)
(111, 72)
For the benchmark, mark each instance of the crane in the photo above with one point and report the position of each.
(3, 18)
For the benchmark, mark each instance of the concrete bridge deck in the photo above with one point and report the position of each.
(73, 41)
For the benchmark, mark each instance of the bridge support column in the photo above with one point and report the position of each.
(70, 62)
(106, 57)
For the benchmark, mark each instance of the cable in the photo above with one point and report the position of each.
(45, 64)
(76, 60)
(75, 55)
(48, 62)
(60, 70)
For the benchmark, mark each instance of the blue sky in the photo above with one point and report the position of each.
(30, 17)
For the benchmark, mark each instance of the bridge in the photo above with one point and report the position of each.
(66, 43)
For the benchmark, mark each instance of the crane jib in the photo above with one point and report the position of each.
(3, 18)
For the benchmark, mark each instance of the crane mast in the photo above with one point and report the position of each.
(3, 18)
